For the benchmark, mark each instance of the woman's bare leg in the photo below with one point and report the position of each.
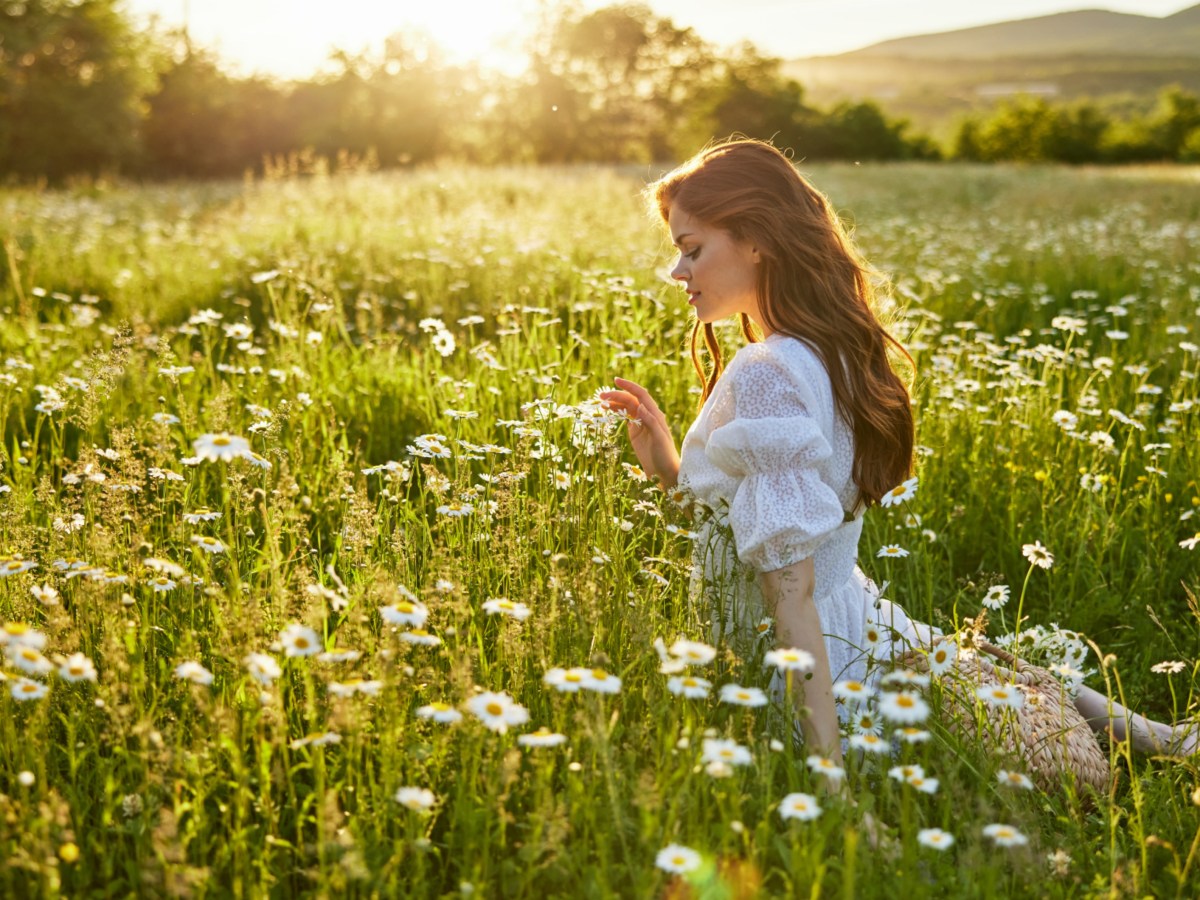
(1147, 735)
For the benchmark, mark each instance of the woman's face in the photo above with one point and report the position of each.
(719, 272)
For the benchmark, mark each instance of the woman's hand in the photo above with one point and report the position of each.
(649, 433)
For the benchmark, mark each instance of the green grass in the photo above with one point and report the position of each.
(166, 787)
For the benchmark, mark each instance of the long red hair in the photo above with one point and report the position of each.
(812, 284)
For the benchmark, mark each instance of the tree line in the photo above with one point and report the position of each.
(84, 90)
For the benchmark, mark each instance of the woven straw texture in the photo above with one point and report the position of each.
(1047, 732)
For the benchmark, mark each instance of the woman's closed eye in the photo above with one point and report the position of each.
(691, 255)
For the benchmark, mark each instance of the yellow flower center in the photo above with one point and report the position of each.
(222, 441)
(302, 642)
(494, 709)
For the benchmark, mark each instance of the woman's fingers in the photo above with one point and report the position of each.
(642, 395)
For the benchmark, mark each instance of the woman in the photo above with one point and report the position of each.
(804, 429)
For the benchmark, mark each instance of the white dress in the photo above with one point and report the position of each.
(772, 458)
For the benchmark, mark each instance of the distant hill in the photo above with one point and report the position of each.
(1085, 32)
(1118, 60)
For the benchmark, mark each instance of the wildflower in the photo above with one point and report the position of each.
(497, 711)
(903, 708)
(300, 640)
(257, 461)
(903, 773)
(935, 838)
(208, 544)
(26, 778)
(764, 626)
(688, 686)
(262, 668)
(1038, 555)
(194, 672)
(866, 723)
(355, 686)
(693, 653)
(419, 800)
(1060, 862)
(677, 859)
(996, 596)
(1005, 835)
(444, 343)
(1168, 667)
(822, 765)
(163, 418)
(77, 667)
(1190, 543)
(220, 447)
(203, 514)
(852, 692)
(14, 565)
(18, 634)
(899, 494)
(803, 807)
(45, 594)
(29, 659)
(316, 739)
(504, 606)
(455, 509)
(905, 678)
(869, 743)
(942, 656)
(543, 737)
(1014, 779)
(406, 612)
(790, 660)
(743, 696)
(601, 682)
(873, 638)
(923, 784)
(27, 689)
(420, 637)
(912, 735)
(1001, 695)
(729, 752)
(338, 655)
(567, 681)
(443, 713)
(893, 551)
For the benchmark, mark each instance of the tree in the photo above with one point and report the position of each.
(72, 75)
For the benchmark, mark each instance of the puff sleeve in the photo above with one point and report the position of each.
(774, 443)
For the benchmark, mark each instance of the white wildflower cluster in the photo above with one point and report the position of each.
(1059, 650)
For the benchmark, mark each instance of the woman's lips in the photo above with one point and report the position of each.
(692, 295)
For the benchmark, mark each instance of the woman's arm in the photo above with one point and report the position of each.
(788, 593)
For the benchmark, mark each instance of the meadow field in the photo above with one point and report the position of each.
(325, 574)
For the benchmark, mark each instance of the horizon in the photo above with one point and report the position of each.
(484, 31)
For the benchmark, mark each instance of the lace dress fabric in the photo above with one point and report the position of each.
(772, 459)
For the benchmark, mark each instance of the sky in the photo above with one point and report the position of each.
(292, 38)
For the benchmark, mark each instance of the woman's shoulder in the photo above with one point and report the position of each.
(782, 357)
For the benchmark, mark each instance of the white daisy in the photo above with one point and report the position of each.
(208, 544)
(791, 659)
(853, 692)
(194, 672)
(420, 637)
(497, 711)
(263, 668)
(942, 657)
(543, 737)
(1001, 695)
(869, 743)
(743, 696)
(222, 446)
(601, 682)
(935, 838)
(506, 607)
(300, 640)
(1005, 835)
(903, 707)
(405, 612)
(677, 859)
(27, 689)
(899, 494)
(803, 807)
(694, 653)
(1014, 779)
(892, 551)
(567, 681)
(996, 596)
(442, 713)
(420, 800)
(725, 751)
(77, 667)
(823, 765)
(1038, 555)
(689, 686)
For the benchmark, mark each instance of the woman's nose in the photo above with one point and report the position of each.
(679, 273)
